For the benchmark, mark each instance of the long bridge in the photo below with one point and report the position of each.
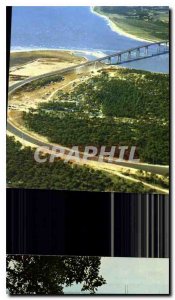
(137, 53)
(159, 48)
(129, 55)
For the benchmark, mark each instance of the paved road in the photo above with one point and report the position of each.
(25, 136)
(17, 85)
(157, 169)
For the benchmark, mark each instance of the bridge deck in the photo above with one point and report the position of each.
(139, 58)
(133, 49)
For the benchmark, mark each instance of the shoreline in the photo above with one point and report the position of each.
(117, 29)
(95, 53)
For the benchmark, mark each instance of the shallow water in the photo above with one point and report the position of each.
(73, 28)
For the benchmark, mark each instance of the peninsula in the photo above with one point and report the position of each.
(144, 23)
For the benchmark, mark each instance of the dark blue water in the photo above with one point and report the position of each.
(71, 28)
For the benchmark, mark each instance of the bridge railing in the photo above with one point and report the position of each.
(136, 53)
(137, 50)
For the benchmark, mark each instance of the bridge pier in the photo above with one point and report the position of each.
(129, 55)
(109, 60)
(138, 52)
(158, 48)
(166, 46)
(132, 54)
(146, 50)
(119, 58)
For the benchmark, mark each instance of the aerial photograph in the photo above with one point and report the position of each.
(88, 117)
(88, 99)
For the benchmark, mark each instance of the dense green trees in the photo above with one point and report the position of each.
(24, 172)
(131, 108)
(47, 275)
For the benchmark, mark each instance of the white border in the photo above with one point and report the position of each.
(88, 3)
(3, 4)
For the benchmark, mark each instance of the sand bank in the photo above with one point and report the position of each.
(96, 53)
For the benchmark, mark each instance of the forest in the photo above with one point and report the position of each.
(130, 108)
(24, 172)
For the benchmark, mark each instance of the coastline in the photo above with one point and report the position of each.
(94, 53)
(117, 29)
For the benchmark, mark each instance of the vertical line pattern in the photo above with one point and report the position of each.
(166, 212)
(144, 225)
(158, 223)
(147, 225)
(112, 224)
(129, 225)
(139, 225)
(152, 226)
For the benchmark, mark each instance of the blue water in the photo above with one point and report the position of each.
(72, 28)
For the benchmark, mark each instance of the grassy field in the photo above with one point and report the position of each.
(147, 23)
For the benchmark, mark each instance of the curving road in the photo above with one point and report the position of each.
(156, 169)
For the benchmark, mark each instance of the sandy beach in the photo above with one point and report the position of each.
(42, 65)
(117, 29)
(95, 53)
